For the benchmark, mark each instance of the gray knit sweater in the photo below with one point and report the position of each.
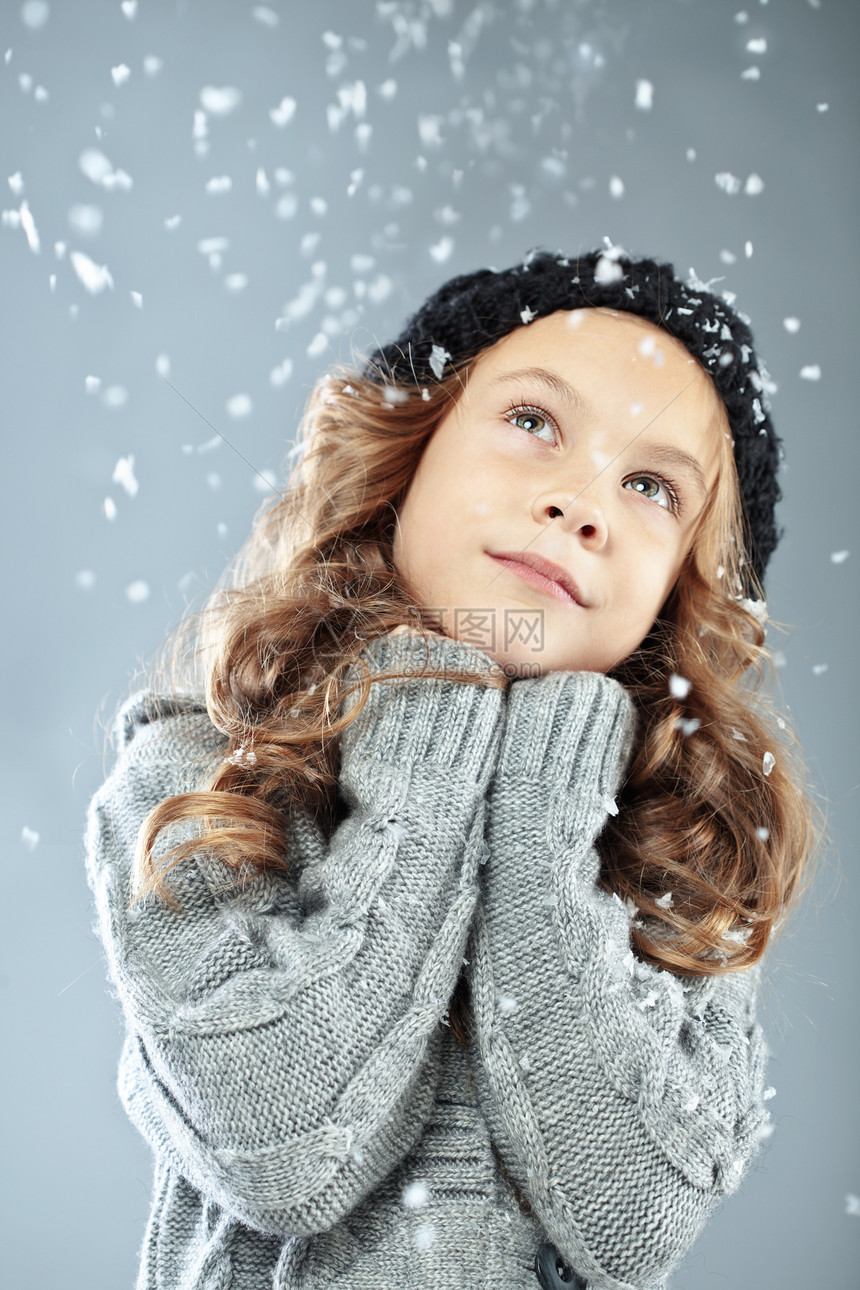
(313, 1120)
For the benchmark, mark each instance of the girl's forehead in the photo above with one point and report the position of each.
(628, 332)
(575, 343)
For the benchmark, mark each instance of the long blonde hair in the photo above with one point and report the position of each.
(714, 838)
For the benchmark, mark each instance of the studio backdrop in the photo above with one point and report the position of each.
(205, 204)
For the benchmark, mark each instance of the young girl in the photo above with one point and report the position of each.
(434, 871)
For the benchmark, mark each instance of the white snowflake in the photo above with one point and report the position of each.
(95, 277)
(220, 101)
(283, 114)
(123, 474)
(728, 182)
(240, 405)
(416, 1195)
(438, 358)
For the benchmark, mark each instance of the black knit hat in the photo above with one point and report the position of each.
(470, 312)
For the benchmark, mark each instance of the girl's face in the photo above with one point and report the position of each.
(588, 439)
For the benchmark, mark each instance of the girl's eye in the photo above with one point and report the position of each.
(534, 421)
(656, 490)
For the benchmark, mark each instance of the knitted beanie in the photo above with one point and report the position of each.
(470, 312)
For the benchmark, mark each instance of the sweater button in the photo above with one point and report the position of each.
(553, 1273)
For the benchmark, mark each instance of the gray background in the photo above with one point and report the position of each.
(506, 129)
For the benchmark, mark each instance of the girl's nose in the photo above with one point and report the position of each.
(581, 515)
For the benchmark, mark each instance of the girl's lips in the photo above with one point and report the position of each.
(568, 594)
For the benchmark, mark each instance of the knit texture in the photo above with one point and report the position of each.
(470, 312)
(287, 1058)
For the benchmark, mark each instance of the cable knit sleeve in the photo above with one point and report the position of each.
(624, 1100)
(282, 1036)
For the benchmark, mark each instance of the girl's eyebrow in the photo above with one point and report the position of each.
(551, 381)
(661, 453)
(667, 455)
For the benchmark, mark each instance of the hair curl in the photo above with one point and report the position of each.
(700, 816)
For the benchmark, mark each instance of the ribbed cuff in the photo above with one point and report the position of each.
(409, 722)
(572, 730)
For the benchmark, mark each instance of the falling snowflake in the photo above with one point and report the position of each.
(239, 405)
(607, 270)
(679, 686)
(415, 1196)
(644, 95)
(758, 608)
(95, 277)
(35, 13)
(30, 837)
(86, 220)
(438, 358)
(442, 249)
(768, 762)
(839, 557)
(220, 102)
(137, 592)
(123, 474)
(791, 324)
(265, 16)
(728, 182)
(283, 114)
(28, 224)
(812, 372)
(115, 396)
(424, 1236)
